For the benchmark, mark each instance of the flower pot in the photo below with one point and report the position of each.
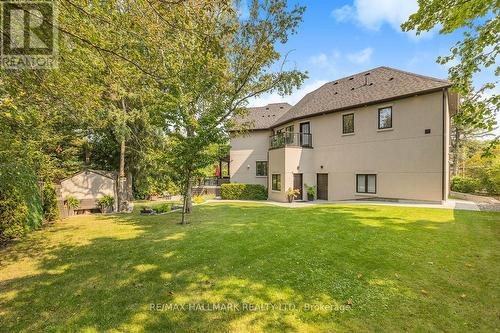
(310, 197)
(290, 199)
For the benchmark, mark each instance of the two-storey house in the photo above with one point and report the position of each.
(383, 133)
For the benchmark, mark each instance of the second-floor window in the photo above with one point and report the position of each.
(348, 123)
(385, 118)
(276, 182)
(261, 168)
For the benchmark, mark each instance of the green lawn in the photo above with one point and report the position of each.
(361, 268)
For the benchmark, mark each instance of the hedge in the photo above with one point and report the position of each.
(464, 184)
(14, 215)
(20, 202)
(243, 192)
(49, 203)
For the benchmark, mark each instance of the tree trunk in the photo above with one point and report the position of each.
(456, 152)
(122, 179)
(122, 193)
(186, 205)
(189, 196)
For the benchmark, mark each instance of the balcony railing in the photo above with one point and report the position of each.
(289, 139)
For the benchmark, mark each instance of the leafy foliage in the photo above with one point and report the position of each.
(464, 184)
(484, 169)
(243, 192)
(106, 201)
(20, 201)
(292, 193)
(477, 51)
(13, 214)
(72, 202)
(49, 202)
(311, 190)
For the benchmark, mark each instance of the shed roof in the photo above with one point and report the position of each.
(104, 173)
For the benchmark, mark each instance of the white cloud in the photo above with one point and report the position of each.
(361, 57)
(291, 99)
(344, 13)
(373, 14)
(326, 62)
(320, 60)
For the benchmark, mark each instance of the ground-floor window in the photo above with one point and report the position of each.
(276, 182)
(366, 183)
(261, 168)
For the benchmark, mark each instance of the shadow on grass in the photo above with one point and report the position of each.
(253, 254)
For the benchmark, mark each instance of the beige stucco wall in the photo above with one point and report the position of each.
(245, 151)
(277, 166)
(88, 185)
(408, 162)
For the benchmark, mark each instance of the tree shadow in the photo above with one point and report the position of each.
(243, 254)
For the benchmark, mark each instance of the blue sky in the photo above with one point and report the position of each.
(339, 38)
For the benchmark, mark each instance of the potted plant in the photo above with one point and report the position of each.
(311, 192)
(292, 193)
(72, 203)
(106, 203)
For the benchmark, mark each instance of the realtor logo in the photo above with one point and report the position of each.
(29, 34)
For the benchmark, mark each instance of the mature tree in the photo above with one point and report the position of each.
(477, 51)
(223, 61)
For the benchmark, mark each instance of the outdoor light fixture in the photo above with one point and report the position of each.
(321, 167)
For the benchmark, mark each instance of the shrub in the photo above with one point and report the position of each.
(49, 204)
(72, 202)
(20, 202)
(311, 190)
(243, 192)
(292, 194)
(202, 198)
(14, 215)
(163, 208)
(106, 202)
(491, 181)
(464, 184)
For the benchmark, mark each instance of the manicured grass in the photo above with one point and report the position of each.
(363, 268)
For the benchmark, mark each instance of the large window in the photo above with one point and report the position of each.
(305, 134)
(261, 168)
(348, 123)
(276, 182)
(385, 118)
(366, 183)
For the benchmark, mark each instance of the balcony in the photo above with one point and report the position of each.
(289, 139)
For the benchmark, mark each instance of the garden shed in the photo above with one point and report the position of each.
(87, 186)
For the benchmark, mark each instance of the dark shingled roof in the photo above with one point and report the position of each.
(262, 117)
(375, 85)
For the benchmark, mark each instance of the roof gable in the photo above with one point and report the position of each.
(262, 117)
(376, 85)
(103, 173)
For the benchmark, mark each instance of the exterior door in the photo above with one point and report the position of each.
(297, 184)
(322, 185)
